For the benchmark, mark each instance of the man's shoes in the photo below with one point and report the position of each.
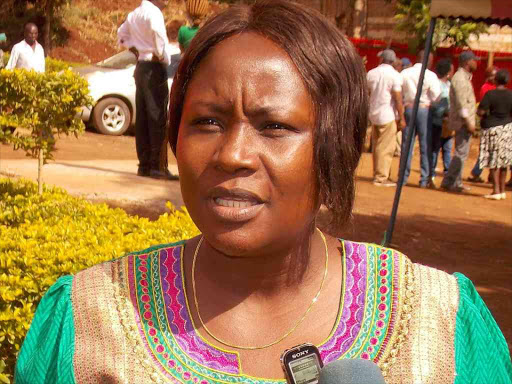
(495, 196)
(476, 179)
(142, 171)
(165, 175)
(431, 184)
(456, 188)
(384, 183)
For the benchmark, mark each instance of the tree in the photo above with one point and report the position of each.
(42, 104)
(49, 8)
(42, 10)
(413, 17)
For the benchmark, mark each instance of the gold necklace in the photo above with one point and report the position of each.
(315, 299)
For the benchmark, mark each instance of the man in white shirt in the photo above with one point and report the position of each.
(430, 93)
(385, 88)
(145, 35)
(28, 54)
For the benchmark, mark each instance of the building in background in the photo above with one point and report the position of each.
(374, 19)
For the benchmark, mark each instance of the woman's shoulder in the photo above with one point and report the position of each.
(103, 282)
(153, 251)
(378, 253)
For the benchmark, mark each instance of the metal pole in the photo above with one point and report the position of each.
(388, 235)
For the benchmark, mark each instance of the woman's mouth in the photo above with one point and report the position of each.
(230, 203)
(235, 205)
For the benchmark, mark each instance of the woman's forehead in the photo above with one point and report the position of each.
(248, 66)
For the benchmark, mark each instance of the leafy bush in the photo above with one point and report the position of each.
(43, 237)
(45, 104)
(52, 65)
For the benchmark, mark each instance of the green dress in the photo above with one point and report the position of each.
(129, 321)
(186, 34)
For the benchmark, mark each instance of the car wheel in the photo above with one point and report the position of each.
(111, 116)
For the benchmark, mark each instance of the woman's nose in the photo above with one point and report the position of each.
(237, 150)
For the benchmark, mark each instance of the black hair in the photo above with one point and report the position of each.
(443, 66)
(502, 77)
(331, 70)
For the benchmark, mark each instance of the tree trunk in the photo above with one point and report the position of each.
(47, 42)
(359, 18)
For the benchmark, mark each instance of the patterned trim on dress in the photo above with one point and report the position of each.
(372, 320)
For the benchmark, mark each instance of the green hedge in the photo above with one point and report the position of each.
(48, 236)
(51, 64)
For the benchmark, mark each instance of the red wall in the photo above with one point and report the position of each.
(370, 48)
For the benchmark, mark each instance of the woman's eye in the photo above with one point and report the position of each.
(275, 126)
(276, 129)
(207, 124)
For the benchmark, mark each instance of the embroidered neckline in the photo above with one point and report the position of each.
(161, 328)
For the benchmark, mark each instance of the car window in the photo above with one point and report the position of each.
(122, 60)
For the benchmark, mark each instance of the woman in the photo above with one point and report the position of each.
(196, 12)
(496, 143)
(489, 85)
(269, 111)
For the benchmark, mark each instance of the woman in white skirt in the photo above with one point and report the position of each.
(496, 142)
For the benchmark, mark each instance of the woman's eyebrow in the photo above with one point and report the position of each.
(212, 106)
(226, 107)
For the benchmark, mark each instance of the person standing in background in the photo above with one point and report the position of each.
(430, 93)
(406, 63)
(442, 138)
(3, 40)
(399, 66)
(489, 85)
(28, 54)
(462, 119)
(496, 142)
(385, 89)
(490, 82)
(145, 35)
(196, 13)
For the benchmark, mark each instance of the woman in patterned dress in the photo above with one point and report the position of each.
(496, 143)
(268, 117)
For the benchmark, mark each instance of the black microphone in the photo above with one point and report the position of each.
(351, 371)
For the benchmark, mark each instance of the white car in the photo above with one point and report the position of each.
(112, 87)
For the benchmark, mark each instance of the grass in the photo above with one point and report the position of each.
(92, 23)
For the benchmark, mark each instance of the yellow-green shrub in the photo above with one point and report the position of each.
(43, 237)
(51, 64)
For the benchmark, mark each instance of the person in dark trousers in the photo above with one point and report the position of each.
(145, 35)
(442, 138)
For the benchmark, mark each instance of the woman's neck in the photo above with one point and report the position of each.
(276, 272)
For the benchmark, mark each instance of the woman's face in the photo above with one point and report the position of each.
(245, 148)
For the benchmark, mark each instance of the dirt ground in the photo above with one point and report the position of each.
(453, 232)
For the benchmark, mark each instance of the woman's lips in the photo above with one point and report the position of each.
(235, 210)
